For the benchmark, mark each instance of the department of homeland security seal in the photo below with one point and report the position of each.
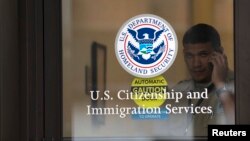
(146, 46)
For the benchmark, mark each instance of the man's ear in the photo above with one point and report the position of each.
(183, 50)
(220, 50)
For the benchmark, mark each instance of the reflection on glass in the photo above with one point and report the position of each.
(86, 21)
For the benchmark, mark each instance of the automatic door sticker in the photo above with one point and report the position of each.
(150, 94)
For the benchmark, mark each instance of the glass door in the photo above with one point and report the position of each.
(93, 76)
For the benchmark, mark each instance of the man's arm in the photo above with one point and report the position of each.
(228, 102)
(219, 75)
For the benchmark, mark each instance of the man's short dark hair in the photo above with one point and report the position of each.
(202, 33)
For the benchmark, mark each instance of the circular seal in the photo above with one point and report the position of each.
(146, 46)
(149, 92)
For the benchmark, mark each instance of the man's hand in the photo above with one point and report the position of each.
(219, 75)
(220, 69)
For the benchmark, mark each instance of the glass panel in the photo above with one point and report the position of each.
(91, 69)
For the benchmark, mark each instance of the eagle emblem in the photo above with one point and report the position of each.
(146, 46)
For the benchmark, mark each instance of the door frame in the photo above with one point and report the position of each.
(40, 70)
(53, 69)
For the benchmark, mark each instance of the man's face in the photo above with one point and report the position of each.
(197, 60)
